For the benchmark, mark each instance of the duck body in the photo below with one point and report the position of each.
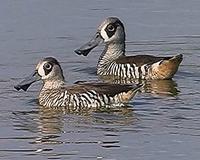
(81, 96)
(113, 60)
(139, 66)
(86, 96)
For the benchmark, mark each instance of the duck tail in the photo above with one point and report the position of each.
(125, 97)
(166, 69)
(176, 59)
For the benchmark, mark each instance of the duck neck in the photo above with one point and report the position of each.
(53, 84)
(111, 52)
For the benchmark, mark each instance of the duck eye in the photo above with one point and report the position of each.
(111, 28)
(47, 66)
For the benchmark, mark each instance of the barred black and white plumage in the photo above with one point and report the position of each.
(86, 100)
(113, 60)
(123, 70)
(80, 96)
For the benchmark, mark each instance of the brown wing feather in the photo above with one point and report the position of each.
(101, 88)
(140, 60)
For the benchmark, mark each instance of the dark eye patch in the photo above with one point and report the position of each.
(47, 68)
(110, 29)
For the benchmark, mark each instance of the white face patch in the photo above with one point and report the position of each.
(104, 34)
(41, 71)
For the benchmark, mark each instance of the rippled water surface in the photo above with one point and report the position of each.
(162, 122)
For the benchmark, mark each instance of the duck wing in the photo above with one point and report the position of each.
(140, 60)
(101, 88)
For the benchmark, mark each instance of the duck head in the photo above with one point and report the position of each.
(47, 70)
(111, 30)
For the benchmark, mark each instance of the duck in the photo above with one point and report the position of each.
(80, 96)
(114, 62)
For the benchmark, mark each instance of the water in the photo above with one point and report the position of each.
(163, 122)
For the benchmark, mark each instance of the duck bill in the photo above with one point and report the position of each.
(86, 48)
(26, 83)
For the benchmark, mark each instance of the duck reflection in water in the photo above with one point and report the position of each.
(155, 87)
(47, 125)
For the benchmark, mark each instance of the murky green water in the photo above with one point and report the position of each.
(162, 122)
